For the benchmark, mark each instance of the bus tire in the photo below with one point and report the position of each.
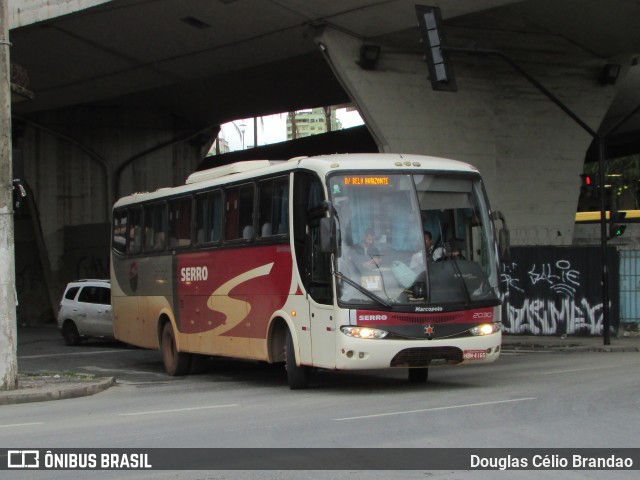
(418, 375)
(176, 363)
(297, 376)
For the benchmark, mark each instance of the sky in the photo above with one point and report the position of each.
(273, 128)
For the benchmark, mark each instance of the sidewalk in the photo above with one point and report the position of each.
(569, 343)
(57, 386)
(39, 387)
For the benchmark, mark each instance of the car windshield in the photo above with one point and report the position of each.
(413, 239)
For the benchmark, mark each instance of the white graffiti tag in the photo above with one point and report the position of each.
(545, 317)
(560, 277)
(510, 280)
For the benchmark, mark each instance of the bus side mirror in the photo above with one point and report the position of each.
(504, 237)
(327, 235)
(504, 245)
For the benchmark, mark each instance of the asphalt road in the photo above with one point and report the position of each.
(535, 400)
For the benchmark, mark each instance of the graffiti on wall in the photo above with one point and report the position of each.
(552, 291)
(91, 266)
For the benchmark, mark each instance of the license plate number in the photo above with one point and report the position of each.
(474, 354)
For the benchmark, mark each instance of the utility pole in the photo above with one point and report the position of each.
(8, 329)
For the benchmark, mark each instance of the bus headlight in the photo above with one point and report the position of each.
(486, 329)
(363, 332)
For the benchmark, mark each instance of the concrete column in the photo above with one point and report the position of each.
(75, 159)
(8, 330)
(529, 152)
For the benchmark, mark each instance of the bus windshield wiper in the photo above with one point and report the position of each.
(456, 267)
(363, 290)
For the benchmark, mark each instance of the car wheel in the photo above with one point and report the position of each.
(70, 334)
(418, 375)
(297, 376)
(176, 363)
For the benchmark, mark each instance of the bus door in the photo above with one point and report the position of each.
(320, 294)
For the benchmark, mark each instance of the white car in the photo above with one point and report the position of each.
(85, 311)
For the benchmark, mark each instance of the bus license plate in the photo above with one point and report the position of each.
(474, 354)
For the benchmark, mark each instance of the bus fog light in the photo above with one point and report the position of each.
(363, 332)
(486, 329)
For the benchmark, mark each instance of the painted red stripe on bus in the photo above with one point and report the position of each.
(372, 318)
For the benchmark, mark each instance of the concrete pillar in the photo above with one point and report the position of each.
(529, 152)
(74, 160)
(8, 329)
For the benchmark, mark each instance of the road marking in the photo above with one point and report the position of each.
(21, 424)
(154, 412)
(73, 353)
(589, 369)
(450, 407)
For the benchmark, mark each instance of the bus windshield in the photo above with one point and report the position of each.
(413, 240)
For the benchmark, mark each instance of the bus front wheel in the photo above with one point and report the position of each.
(298, 376)
(175, 363)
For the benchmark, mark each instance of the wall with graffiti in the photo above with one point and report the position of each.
(86, 252)
(558, 290)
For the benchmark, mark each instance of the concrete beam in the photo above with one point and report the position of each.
(26, 12)
(529, 151)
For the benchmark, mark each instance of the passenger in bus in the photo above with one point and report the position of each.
(366, 255)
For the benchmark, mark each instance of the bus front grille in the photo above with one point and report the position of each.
(427, 356)
(422, 319)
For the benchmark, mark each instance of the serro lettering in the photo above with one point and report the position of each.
(194, 274)
(375, 318)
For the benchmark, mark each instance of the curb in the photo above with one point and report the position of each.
(55, 393)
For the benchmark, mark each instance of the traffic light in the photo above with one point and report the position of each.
(588, 180)
(440, 69)
(615, 228)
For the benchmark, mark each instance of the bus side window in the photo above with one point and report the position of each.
(313, 266)
(135, 230)
(208, 217)
(239, 212)
(119, 241)
(273, 215)
(180, 222)
(155, 227)
(265, 212)
(281, 206)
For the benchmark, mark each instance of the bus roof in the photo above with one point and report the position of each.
(324, 164)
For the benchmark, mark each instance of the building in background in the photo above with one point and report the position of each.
(305, 123)
(220, 146)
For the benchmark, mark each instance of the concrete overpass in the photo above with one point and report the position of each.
(128, 96)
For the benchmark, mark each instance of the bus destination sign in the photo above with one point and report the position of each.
(362, 180)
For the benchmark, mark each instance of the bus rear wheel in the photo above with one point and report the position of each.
(175, 363)
(418, 375)
(297, 376)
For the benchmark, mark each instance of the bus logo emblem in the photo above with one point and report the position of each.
(429, 330)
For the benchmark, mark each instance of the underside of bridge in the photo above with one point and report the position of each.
(129, 96)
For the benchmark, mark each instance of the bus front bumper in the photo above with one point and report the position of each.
(363, 354)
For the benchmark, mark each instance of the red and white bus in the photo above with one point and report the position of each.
(266, 260)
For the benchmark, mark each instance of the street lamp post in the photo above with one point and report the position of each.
(243, 127)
